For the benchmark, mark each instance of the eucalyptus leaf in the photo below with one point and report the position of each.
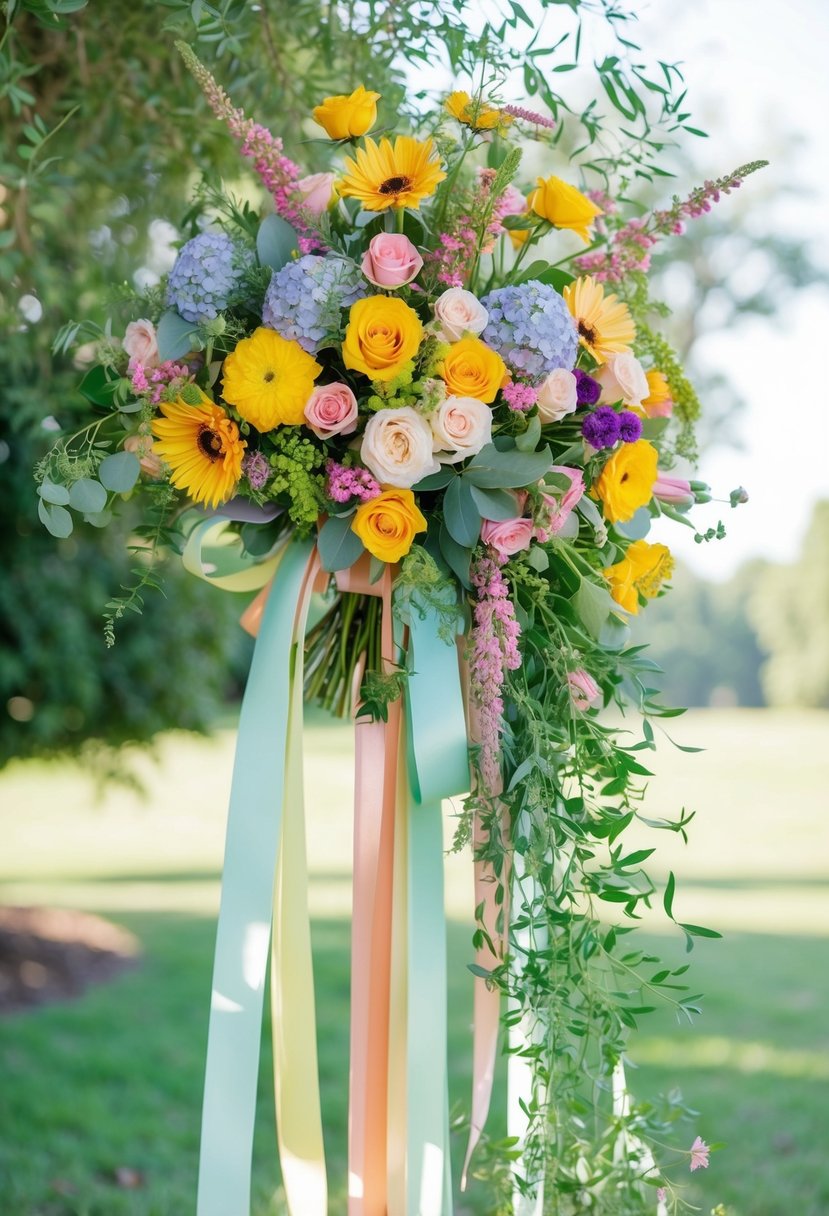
(174, 336)
(339, 547)
(98, 519)
(436, 481)
(457, 557)
(49, 492)
(119, 472)
(276, 242)
(531, 438)
(593, 605)
(88, 496)
(538, 559)
(494, 470)
(495, 504)
(55, 520)
(460, 513)
(638, 527)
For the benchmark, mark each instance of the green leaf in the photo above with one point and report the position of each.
(98, 519)
(49, 492)
(257, 539)
(492, 469)
(638, 527)
(174, 336)
(538, 559)
(531, 438)
(339, 546)
(699, 930)
(276, 241)
(55, 520)
(119, 472)
(594, 605)
(668, 897)
(495, 504)
(88, 496)
(460, 513)
(457, 557)
(97, 387)
(436, 481)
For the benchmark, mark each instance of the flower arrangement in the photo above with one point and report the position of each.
(390, 366)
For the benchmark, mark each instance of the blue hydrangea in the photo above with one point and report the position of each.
(531, 328)
(208, 276)
(304, 299)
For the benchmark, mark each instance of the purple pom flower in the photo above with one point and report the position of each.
(588, 390)
(630, 426)
(257, 470)
(601, 427)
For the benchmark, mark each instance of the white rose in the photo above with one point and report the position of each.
(461, 426)
(557, 396)
(397, 447)
(141, 344)
(458, 312)
(622, 379)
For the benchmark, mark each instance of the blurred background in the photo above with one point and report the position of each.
(102, 881)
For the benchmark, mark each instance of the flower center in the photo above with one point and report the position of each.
(588, 332)
(210, 443)
(268, 376)
(395, 185)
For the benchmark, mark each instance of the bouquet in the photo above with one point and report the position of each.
(422, 398)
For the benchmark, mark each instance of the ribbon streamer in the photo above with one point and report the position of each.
(243, 932)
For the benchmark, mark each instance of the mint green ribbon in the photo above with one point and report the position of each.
(243, 935)
(438, 767)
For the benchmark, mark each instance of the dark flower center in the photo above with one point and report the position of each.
(210, 443)
(268, 376)
(395, 185)
(588, 332)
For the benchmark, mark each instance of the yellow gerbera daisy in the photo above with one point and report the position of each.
(477, 114)
(385, 175)
(604, 322)
(269, 380)
(202, 448)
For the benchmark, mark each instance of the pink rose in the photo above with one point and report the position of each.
(675, 491)
(508, 536)
(560, 509)
(584, 690)
(140, 343)
(317, 190)
(391, 260)
(459, 312)
(331, 410)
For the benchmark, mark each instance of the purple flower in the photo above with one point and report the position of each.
(601, 427)
(588, 390)
(630, 426)
(257, 470)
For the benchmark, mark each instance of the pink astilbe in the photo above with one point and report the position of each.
(630, 246)
(279, 175)
(493, 652)
(153, 383)
(343, 484)
(538, 120)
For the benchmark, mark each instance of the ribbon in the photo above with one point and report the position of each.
(437, 767)
(296, 1075)
(215, 553)
(243, 931)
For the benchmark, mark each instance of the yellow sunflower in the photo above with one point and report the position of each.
(386, 175)
(202, 448)
(269, 379)
(604, 322)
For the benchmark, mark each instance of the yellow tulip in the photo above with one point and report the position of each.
(346, 117)
(564, 206)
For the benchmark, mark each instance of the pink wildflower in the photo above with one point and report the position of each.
(344, 483)
(699, 1154)
(519, 397)
(493, 652)
(539, 120)
(661, 1194)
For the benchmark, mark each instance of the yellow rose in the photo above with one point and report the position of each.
(477, 114)
(626, 482)
(382, 334)
(564, 206)
(347, 117)
(388, 523)
(641, 571)
(471, 369)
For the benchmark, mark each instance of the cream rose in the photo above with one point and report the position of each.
(397, 447)
(458, 312)
(557, 396)
(622, 378)
(140, 343)
(461, 426)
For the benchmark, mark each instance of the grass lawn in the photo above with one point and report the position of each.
(113, 1081)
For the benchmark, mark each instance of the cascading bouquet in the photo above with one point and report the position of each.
(385, 392)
